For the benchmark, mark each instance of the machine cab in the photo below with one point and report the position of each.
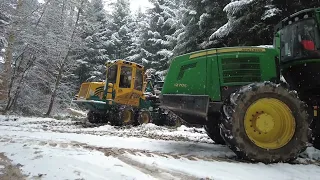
(297, 40)
(125, 82)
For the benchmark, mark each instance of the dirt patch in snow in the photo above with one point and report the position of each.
(156, 172)
(9, 171)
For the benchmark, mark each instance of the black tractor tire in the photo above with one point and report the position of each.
(233, 131)
(172, 120)
(167, 118)
(159, 120)
(104, 117)
(213, 128)
(93, 117)
(114, 117)
(315, 137)
(114, 121)
(144, 117)
(316, 141)
(123, 116)
(159, 117)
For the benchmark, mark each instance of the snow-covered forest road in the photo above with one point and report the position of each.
(39, 148)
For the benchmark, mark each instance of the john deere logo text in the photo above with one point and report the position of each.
(253, 49)
(181, 85)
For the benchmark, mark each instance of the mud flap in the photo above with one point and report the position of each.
(191, 108)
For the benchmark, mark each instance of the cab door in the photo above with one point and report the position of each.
(129, 89)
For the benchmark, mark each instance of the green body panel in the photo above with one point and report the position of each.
(187, 76)
(213, 80)
(276, 42)
(317, 11)
(258, 66)
(96, 105)
(145, 104)
(206, 72)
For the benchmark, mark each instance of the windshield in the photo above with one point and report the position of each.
(125, 77)
(112, 74)
(300, 41)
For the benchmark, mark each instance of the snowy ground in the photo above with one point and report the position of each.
(38, 148)
(67, 126)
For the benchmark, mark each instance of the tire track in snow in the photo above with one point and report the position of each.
(158, 173)
(118, 152)
(140, 131)
(155, 172)
(115, 152)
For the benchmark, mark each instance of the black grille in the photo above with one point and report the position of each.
(237, 70)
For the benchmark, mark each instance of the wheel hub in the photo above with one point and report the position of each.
(127, 116)
(269, 123)
(145, 118)
(263, 123)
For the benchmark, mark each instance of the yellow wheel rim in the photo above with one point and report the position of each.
(269, 123)
(145, 118)
(127, 116)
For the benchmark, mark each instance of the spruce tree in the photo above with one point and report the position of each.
(121, 28)
(97, 44)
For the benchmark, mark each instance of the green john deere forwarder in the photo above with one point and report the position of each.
(238, 95)
(297, 40)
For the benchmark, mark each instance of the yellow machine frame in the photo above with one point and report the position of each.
(126, 96)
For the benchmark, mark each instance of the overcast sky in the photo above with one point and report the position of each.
(135, 4)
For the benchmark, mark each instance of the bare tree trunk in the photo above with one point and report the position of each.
(14, 75)
(20, 83)
(9, 82)
(5, 76)
(56, 86)
(63, 63)
(13, 98)
(7, 70)
(44, 10)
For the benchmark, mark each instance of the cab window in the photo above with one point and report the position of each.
(138, 83)
(112, 74)
(300, 40)
(125, 77)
